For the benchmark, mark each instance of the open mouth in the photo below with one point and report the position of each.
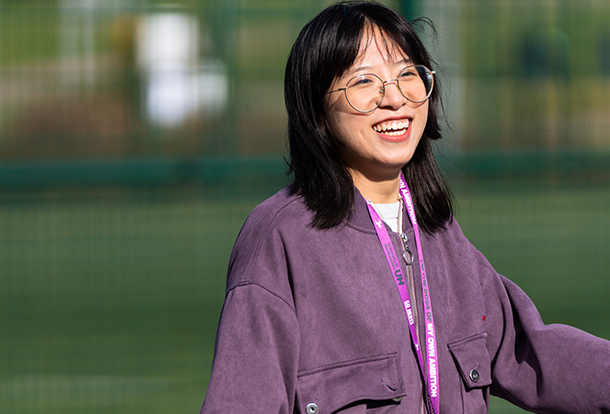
(392, 128)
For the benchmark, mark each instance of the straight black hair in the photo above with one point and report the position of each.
(327, 47)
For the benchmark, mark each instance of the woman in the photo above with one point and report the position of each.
(329, 309)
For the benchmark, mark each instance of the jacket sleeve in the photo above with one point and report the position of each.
(256, 355)
(546, 368)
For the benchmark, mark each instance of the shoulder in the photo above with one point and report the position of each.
(451, 238)
(258, 256)
(459, 257)
(278, 211)
(284, 212)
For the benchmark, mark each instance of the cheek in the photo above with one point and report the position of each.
(424, 110)
(422, 117)
(338, 122)
(331, 114)
(334, 126)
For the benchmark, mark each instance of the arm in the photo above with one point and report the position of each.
(547, 368)
(256, 355)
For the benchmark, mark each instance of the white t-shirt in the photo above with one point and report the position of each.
(389, 213)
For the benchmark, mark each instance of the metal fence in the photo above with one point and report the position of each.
(525, 75)
(106, 79)
(136, 135)
(91, 79)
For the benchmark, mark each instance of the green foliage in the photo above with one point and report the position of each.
(28, 32)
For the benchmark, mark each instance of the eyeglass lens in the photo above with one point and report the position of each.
(365, 92)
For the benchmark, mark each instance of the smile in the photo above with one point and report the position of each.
(392, 128)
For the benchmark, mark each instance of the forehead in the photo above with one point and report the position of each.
(376, 46)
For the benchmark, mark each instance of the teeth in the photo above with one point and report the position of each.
(394, 133)
(392, 127)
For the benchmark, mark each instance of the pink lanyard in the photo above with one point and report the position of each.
(390, 253)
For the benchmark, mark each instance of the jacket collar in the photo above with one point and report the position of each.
(361, 218)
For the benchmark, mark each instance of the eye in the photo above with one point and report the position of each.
(363, 81)
(408, 73)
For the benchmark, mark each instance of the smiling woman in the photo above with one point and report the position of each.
(376, 144)
(354, 290)
(333, 51)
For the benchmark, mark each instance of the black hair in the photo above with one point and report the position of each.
(326, 47)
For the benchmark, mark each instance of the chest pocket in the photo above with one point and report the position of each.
(332, 388)
(474, 365)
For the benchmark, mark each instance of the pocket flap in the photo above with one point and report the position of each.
(472, 360)
(333, 387)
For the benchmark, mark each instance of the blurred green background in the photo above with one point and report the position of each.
(135, 137)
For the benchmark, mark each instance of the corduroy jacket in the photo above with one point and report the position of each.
(313, 323)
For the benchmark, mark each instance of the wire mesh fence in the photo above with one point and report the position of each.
(135, 137)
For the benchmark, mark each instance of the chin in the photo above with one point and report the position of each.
(402, 161)
(395, 167)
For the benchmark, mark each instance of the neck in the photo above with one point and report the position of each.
(384, 190)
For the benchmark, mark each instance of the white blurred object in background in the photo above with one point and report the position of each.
(178, 84)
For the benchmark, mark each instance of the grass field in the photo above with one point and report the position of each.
(109, 300)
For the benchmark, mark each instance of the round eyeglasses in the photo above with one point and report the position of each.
(365, 92)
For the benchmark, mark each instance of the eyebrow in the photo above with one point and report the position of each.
(401, 62)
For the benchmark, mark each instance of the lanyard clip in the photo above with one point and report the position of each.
(406, 253)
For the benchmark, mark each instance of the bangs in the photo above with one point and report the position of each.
(392, 40)
(383, 41)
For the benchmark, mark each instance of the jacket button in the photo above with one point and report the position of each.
(311, 409)
(474, 375)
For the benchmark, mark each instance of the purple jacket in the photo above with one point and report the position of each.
(314, 317)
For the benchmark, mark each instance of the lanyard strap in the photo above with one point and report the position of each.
(430, 349)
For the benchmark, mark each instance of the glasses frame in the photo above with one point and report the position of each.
(382, 89)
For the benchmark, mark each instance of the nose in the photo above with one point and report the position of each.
(393, 98)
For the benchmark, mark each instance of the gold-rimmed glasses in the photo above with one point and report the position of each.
(365, 92)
